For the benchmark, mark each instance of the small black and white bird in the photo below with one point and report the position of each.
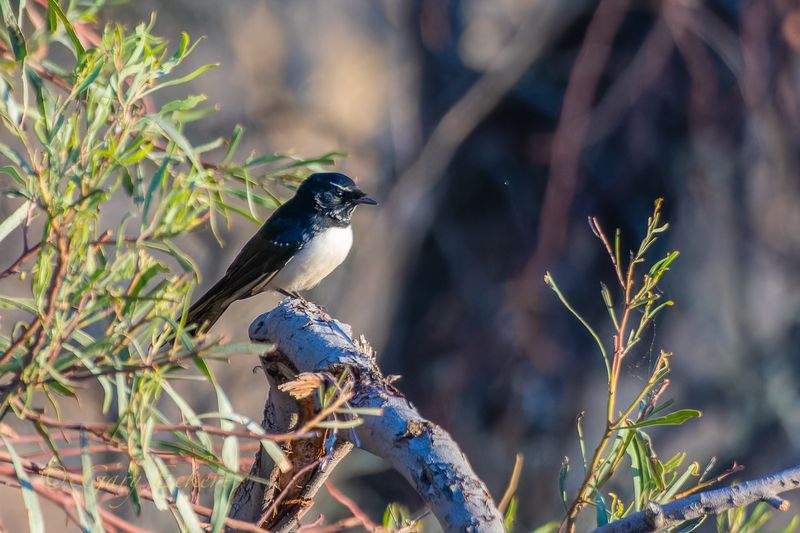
(303, 241)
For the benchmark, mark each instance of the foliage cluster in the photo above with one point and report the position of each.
(103, 183)
(626, 431)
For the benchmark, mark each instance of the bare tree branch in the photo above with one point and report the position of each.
(656, 517)
(418, 449)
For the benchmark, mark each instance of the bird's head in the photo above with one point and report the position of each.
(333, 195)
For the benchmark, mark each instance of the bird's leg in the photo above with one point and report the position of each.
(285, 292)
(292, 294)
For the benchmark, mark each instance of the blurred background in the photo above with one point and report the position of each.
(490, 130)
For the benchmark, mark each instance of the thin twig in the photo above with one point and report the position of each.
(284, 493)
(362, 517)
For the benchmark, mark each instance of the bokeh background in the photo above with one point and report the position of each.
(490, 130)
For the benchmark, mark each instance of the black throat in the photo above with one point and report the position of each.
(337, 218)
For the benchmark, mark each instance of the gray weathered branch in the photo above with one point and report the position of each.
(419, 450)
(657, 518)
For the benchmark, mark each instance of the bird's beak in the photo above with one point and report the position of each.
(364, 199)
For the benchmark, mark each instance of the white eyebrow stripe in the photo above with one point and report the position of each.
(339, 186)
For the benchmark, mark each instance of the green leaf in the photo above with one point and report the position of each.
(189, 77)
(395, 516)
(264, 159)
(562, 478)
(155, 184)
(187, 448)
(172, 132)
(660, 266)
(14, 173)
(156, 483)
(675, 486)
(52, 20)
(234, 143)
(131, 482)
(17, 41)
(29, 497)
(89, 490)
(223, 492)
(190, 520)
(18, 45)
(38, 88)
(639, 469)
(144, 279)
(271, 447)
(269, 203)
(691, 525)
(188, 413)
(548, 279)
(184, 260)
(609, 303)
(675, 418)
(184, 104)
(25, 304)
(57, 12)
(91, 77)
(549, 527)
(240, 212)
(14, 220)
(230, 458)
(511, 514)
(42, 430)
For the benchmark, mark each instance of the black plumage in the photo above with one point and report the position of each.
(323, 201)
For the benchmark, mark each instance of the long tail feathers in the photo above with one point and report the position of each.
(206, 311)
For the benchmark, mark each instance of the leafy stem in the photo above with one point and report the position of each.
(626, 434)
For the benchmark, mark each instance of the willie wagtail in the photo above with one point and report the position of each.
(303, 241)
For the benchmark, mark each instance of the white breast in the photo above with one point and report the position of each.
(318, 258)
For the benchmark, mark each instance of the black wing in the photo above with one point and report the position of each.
(282, 236)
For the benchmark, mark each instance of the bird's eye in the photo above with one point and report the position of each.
(329, 198)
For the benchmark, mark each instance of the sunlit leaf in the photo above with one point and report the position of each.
(89, 490)
(14, 220)
(675, 418)
(57, 12)
(29, 497)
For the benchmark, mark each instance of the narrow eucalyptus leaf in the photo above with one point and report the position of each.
(14, 220)
(675, 418)
(58, 12)
(29, 497)
(89, 489)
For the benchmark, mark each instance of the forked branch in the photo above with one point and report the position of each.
(418, 449)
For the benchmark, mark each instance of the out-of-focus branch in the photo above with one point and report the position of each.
(565, 162)
(410, 207)
(657, 517)
(421, 451)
